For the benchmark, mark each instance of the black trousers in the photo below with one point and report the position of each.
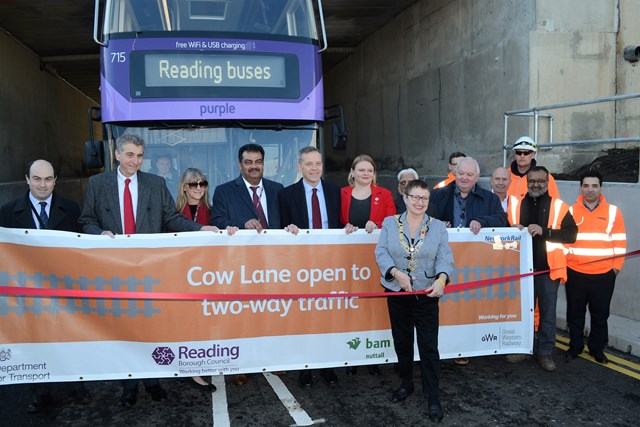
(422, 313)
(594, 291)
(132, 385)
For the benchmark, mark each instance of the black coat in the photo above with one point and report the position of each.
(484, 206)
(63, 214)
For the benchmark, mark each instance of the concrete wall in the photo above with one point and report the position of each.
(440, 76)
(41, 116)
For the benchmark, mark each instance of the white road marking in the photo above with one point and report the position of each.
(219, 402)
(298, 414)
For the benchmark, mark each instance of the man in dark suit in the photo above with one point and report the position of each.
(463, 203)
(127, 201)
(26, 211)
(41, 208)
(249, 201)
(311, 203)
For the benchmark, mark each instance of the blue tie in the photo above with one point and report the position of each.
(44, 218)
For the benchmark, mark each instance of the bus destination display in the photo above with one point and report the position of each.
(198, 74)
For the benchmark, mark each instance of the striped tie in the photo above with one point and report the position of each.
(44, 218)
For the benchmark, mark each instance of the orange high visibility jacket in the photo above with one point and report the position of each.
(448, 180)
(601, 234)
(555, 251)
(519, 188)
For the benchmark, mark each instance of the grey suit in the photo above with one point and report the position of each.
(156, 209)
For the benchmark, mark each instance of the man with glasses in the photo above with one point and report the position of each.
(550, 223)
(454, 158)
(404, 176)
(524, 151)
(463, 203)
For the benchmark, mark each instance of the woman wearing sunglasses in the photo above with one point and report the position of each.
(414, 255)
(193, 198)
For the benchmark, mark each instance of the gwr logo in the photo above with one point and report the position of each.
(490, 337)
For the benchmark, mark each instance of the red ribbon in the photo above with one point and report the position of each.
(178, 296)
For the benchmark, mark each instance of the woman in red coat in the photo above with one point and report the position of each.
(365, 205)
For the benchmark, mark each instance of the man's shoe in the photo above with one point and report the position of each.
(330, 376)
(599, 356)
(401, 394)
(374, 370)
(352, 370)
(462, 361)
(546, 363)
(305, 378)
(435, 412)
(572, 354)
(517, 358)
(279, 373)
(157, 393)
(240, 379)
(129, 398)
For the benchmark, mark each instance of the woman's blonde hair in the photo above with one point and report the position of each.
(361, 158)
(191, 175)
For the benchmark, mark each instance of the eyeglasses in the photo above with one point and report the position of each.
(418, 198)
(201, 184)
(523, 152)
(537, 181)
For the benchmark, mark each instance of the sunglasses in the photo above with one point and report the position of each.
(201, 184)
(523, 152)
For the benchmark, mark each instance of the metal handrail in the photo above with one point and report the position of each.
(324, 31)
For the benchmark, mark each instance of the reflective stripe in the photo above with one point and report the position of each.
(600, 237)
(556, 213)
(612, 218)
(595, 252)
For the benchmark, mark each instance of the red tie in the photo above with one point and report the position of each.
(129, 219)
(258, 205)
(316, 218)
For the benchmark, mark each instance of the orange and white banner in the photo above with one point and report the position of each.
(244, 303)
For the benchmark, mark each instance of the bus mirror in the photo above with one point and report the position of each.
(338, 136)
(94, 154)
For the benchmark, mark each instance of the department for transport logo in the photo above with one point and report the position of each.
(5, 354)
(354, 343)
(163, 356)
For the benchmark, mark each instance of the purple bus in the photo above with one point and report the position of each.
(197, 79)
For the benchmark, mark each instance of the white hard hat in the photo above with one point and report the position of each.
(525, 143)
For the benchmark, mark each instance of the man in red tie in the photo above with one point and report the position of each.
(128, 201)
(311, 203)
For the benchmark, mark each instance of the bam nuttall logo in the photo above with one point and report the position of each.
(354, 343)
(163, 355)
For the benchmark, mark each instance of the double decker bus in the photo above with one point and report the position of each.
(197, 79)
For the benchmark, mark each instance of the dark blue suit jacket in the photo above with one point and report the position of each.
(233, 206)
(63, 214)
(293, 205)
(483, 207)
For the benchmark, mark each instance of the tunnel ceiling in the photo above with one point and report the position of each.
(60, 33)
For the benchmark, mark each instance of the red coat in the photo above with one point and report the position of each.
(203, 215)
(382, 204)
